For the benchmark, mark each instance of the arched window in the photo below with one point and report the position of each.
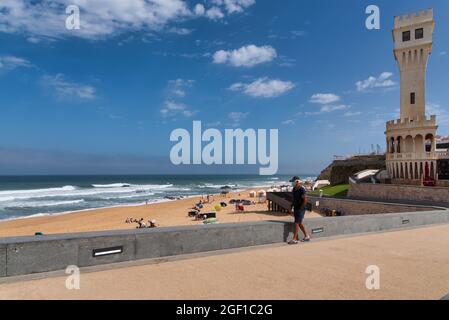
(429, 143)
(391, 145)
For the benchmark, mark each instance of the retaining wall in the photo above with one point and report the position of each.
(357, 207)
(26, 255)
(388, 192)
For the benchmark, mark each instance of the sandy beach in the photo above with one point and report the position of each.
(170, 213)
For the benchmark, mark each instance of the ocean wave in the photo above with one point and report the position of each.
(137, 195)
(44, 204)
(25, 191)
(112, 185)
(71, 193)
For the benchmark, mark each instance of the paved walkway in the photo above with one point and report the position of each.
(414, 264)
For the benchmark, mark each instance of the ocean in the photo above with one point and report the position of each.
(26, 196)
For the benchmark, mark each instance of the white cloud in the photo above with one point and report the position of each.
(178, 87)
(263, 88)
(172, 109)
(331, 108)
(11, 63)
(326, 109)
(214, 13)
(67, 89)
(104, 18)
(382, 81)
(234, 6)
(352, 114)
(324, 98)
(288, 122)
(180, 31)
(297, 33)
(247, 56)
(237, 117)
(199, 9)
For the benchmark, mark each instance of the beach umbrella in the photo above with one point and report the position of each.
(218, 207)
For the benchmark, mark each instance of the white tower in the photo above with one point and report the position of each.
(412, 36)
(411, 144)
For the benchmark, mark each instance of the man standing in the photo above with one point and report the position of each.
(299, 209)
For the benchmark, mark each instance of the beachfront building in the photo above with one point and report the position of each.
(412, 155)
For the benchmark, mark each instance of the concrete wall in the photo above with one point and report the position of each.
(388, 192)
(26, 255)
(2, 260)
(357, 207)
(344, 225)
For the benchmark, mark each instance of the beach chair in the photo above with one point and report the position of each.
(240, 208)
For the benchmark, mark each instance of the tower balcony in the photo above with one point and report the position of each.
(406, 123)
(413, 156)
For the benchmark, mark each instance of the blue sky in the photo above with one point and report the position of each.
(104, 99)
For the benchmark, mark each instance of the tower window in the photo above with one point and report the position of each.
(419, 33)
(412, 98)
(406, 36)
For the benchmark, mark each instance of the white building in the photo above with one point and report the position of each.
(412, 156)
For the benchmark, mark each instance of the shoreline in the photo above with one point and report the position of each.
(167, 213)
(125, 205)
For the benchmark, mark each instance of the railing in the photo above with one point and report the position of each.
(435, 155)
(282, 199)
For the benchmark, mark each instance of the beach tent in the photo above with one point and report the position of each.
(252, 194)
(261, 193)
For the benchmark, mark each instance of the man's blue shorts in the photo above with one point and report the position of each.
(299, 215)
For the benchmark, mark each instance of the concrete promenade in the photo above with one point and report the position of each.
(413, 265)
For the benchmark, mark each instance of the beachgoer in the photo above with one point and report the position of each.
(141, 223)
(152, 223)
(299, 209)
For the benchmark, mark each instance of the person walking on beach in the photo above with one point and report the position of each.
(299, 209)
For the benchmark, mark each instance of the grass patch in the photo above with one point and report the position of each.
(340, 190)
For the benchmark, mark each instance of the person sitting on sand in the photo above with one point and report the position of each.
(141, 223)
(129, 220)
(152, 223)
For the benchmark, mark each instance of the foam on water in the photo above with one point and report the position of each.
(56, 195)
